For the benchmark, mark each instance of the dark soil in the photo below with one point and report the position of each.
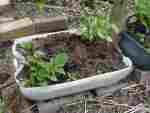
(86, 58)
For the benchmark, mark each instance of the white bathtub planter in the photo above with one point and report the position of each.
(70, 87)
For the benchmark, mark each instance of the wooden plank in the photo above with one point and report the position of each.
(15, 29)
(4, 5)
(4, 19)
(27, 26)
(50, 24)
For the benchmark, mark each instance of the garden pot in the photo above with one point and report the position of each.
(67, 88)
(135, 51)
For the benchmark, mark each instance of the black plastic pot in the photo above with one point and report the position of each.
(135, 51)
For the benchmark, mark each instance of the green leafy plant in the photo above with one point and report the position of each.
(41, 72)
(142, 11)
(94, 27)
(27, 46)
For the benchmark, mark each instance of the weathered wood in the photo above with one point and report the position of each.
(4, 19)
(4, 5)
(18, 28)
(26, 26)
(50, 24)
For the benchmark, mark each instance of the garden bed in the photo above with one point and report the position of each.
(85, 60)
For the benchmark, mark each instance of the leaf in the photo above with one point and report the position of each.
(60, 59)
(26, 46)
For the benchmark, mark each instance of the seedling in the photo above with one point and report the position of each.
(41, 72)
(94, 28)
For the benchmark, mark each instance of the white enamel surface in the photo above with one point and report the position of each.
(63, 89)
